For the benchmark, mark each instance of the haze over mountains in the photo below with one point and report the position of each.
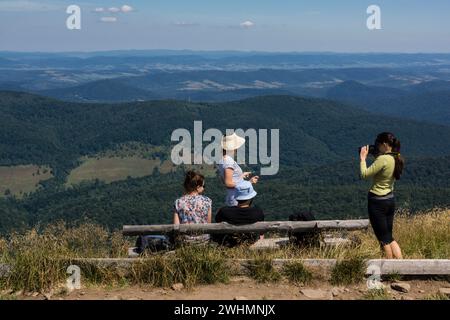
(412, 85)
(427, 101)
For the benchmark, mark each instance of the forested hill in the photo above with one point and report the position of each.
(319, 140)
(429, 101)
(39, 130)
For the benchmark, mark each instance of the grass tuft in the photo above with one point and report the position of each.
(261, 269)
(393, 277)
(190, 265)
(35, 257)
(297, 273)
(437, 296)
(348, 272)
(377, 294)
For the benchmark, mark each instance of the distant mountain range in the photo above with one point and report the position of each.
(176, 74)
(108, 90)
(428, 101)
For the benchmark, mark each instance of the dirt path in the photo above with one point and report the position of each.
(245, 288)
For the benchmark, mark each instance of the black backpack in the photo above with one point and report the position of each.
(307, 237)
(152, 243)
(302, 216)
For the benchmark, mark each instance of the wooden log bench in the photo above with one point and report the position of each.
(258, 227)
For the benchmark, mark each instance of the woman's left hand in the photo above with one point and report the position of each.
(364, 152)
(254, 179)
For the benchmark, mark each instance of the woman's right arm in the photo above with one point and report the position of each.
(176, 219)
(228, 178)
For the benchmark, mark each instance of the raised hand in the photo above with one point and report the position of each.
(254, 179)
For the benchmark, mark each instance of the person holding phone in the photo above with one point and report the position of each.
(385, 169)
(229, 170)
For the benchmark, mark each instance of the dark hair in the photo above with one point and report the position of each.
(394, 143)
(244, 202)
(192, 181)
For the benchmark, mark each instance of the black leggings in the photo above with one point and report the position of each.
(381, 216)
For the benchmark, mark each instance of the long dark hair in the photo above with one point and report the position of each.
(394, 143)
(192, 181)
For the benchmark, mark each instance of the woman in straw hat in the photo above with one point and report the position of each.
(228, 169)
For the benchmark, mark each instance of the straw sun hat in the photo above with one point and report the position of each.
(232, 142)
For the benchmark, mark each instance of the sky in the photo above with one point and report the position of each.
(245, 25)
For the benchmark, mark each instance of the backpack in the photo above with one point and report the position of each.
(307, 237)
(152, 243)
(302, 216)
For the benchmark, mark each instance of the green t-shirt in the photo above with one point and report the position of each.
(382, 171)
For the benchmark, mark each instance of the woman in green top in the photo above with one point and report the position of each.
(386, 168)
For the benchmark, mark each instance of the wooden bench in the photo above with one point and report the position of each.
(258, 227)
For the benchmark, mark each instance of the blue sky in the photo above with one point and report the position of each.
(262, 25)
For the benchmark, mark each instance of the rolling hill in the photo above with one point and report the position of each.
(109, 90)
(46, 131)
(424, 102)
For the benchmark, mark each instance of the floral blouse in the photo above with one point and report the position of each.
(193, 208)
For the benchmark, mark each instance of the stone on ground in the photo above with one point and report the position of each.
(317, 294)
(401, 287)
(177, 286)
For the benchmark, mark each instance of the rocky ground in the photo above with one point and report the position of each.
(243, 288)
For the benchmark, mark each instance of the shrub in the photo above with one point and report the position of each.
(349, 271)
(36, 262)
(261, 269)
(190, 265)
(296, 272)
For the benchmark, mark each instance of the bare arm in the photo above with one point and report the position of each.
(228, 178)
(209, 215)
(176, 219)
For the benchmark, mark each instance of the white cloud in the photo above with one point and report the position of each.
(108, 19)
(247, 24)
(126, 8)
(113, 9)
(99, 9)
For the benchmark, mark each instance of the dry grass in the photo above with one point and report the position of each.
(425, 235)
(41, 257)
(377, 294)
(349, 271)
(421, 236)
(297, 273)
(262, 270)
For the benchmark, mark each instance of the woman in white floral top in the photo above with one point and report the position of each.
(193, 207)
